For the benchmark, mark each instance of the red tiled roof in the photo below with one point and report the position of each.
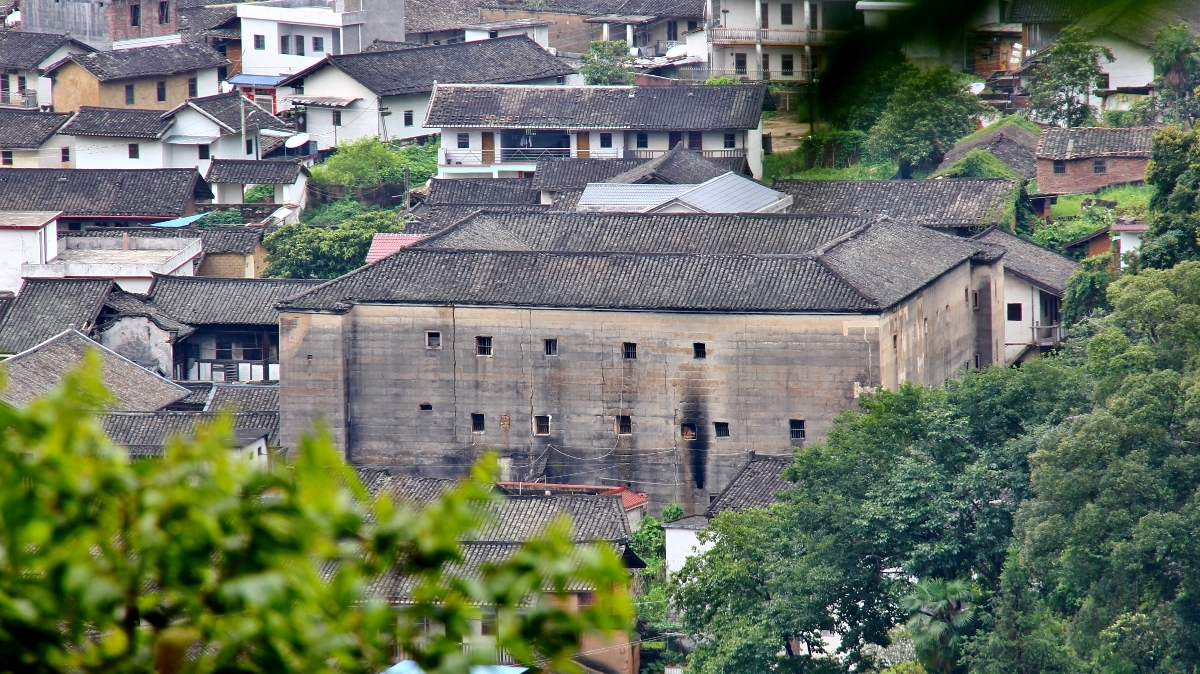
(383, 245)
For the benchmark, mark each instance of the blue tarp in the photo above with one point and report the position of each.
(410, 667)
(180, 222)
(257, 80)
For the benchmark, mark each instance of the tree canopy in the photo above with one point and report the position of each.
(308, 250)
(369, 161)
(1064, 80)
(606, 63)
(199, 562)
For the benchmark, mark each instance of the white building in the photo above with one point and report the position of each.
(28, 139)
(537, 30)
(502, 131)
(130, 261)
(24, 58)
(26, 237)
(386, 93)
(230, 177)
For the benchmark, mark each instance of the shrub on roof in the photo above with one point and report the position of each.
(1008, 120)
(979, 164)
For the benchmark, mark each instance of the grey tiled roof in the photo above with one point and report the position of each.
(1010, 144)
(754, 486)
(46, 307)
(170, 59)
(27, 129)
(520, 518)
(677, 166)
(162, 193)
(199, 300)
(195, 20)
(244, 398)
(865, 270)
(118, 123)
(412, 71)
(430, 219)
(393, 45)
(436, 15)
(120, 304)
(481, 192)
(25, 51)
(1137, 22)
(39, 370)
(1027, 260)
(697, 108)
(1048, 11)
(145, 434)
(627, 233)
(558, 174)
(949, 202)
(254, 171)
(240, 239)
(1083, 143)
(228, 108)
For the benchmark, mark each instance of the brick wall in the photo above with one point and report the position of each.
(1081, 176)
(230, 265)
(569, 32)
(119, 27)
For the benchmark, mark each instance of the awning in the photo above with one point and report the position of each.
(276, 133)
(322, 101)
(190, 140)
(179, 222)
(257, 80)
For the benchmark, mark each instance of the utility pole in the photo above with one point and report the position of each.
(242, 107)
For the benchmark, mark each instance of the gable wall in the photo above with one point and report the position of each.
(74, 86)
(1080, 177)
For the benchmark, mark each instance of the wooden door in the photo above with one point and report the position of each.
(489, 147)
(583, 144)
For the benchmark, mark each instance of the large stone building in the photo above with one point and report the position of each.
(649, 351)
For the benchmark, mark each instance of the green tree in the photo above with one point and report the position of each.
(924, 117)
(1087, 289)
(199, 562)
(369, 161)
(672, 511)
(224, 216)
(310, 251)
(1064, 80)
(1174, 174)
(606, 63)
(858, 104)
(941, 616)
(1176, 59)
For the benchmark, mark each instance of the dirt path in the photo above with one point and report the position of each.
(785, 131)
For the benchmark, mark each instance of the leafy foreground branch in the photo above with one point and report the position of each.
(200, 563)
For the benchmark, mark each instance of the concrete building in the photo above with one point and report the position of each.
(775, 40)
(637, 350)
(130, 261)
(1072, 161)
(386, 93)
(502, 131)
(1035, 281)
(230, 178)
(537, 30)
(26, 237)
(29, 139)
(24, 58)
(152, 78)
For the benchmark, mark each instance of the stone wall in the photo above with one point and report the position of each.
(1082, 178)
(141, 341)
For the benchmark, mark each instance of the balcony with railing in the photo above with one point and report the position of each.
(727, 153)
(523, 155)
(1049, 336)
(701, 73)
(19, 99)
(774, 36)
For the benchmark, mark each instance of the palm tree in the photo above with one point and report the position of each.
(940, 616)
(1176, 60)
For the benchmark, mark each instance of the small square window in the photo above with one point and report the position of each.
(337, 117)
(66, 154)
(1014, 311)
(477, 423)
(561, 79)
(134, 151)
(464, 141)
(796, 426)
(128, 94)
(193, 87)
(730, 141)
(433, 339)
(721, 428)
(493, 34)
(687, 431)
(624, 425)
(606, 140)
(541, 425)
(260, 42)
(699, 350)
(483, 346)
(425, 407)
(408, 118)
(6, 158)
(1099, 167)
(630, 350)
(318, 44)
(202, 151)
(550, 347)
(643, 140)
(1060, 166)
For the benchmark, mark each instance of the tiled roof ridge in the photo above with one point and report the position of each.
(72, 331)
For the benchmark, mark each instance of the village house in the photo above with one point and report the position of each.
(1081, 160)
(1042, 20)
(1009, 143)
(726, 193)
(130, 261)
(232, 251)
(112, 197)
(678, 325)
(217, 26)
(100, 24)
(954, 205)
(230, 177)
(775, 40)
(192, 135)
(502, 131)
(28, 139)
(154, 78)
(386, 93)
(26, 237)
(1035, 281)
(24, 58)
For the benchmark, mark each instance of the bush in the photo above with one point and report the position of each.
(370, 161)
(334, 212)
(259, 194)
(225, 216)
(310, 251)
(979, 164)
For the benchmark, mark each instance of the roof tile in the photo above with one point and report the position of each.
(118, 123)
(1083, 143)
(27, 129)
